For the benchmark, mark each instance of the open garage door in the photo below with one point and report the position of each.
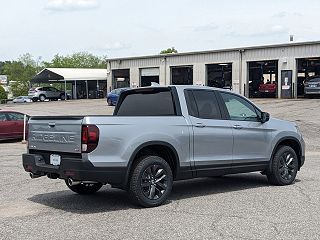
(307, 68)
(263, 79)
(182, 75)
(121, 78)
(149, 75)
(219, 75)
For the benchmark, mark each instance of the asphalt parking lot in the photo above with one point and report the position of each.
(242, 206)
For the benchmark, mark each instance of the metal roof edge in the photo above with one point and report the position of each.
(215, 51)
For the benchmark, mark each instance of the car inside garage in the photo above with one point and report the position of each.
(182, 75)
(307, 68)
(263, 79)
(219, 75)
(121, 78)
(148, 76)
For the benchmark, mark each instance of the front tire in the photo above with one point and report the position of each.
(151, 181)
(84, 188)
(284, 167)
(109, 102)
(62, 97)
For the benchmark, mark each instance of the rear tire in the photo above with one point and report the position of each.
(84, 188)
(62, 97)
(109, 102)
(42, 98)
(284, 167)
(151, 181)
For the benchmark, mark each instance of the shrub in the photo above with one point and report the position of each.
(3, 94)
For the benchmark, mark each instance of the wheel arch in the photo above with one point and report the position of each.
(292, 142)
(159, 148)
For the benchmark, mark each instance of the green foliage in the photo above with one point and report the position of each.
(3, 94)
(20, 73)
(76, 60)
(169, 50)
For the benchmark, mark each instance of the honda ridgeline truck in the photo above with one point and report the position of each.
(161, 134)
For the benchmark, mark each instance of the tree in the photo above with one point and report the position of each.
(20, 73)
(169, 50)
(76, 60)
(3, 94)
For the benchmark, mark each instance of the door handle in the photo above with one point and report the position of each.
(200, 125)
(237, 126)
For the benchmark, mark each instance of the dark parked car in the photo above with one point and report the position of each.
(112, 97)
(11, 125)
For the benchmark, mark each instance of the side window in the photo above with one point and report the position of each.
(239, 109)
(3, 117)
(15, 116)
(203, 104)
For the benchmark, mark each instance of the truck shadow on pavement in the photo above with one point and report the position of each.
(109, 199)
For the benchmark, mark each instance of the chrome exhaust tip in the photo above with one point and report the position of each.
(32, 175)
(71, 182)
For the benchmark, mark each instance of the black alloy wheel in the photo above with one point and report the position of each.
(287, 168)
(151, 181)
(284, 166)
(154, 182)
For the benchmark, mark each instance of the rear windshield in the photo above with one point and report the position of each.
(314, 80)
(147, 102)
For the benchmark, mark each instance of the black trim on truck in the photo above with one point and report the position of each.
(75, 168)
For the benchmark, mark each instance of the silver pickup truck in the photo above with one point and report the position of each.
(161, 134)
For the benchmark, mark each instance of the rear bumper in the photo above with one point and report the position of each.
(312, 90)
(77, 169)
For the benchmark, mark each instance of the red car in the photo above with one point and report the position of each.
(11, 125)
(268, 89)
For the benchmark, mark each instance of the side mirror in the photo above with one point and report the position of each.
(265, 117)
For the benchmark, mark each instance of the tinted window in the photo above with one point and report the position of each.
(238, 108)
(150, 102)
(15, 116)
(3, 117)
(206, 105)
(191, 103)
(53, 89)
(314, 80)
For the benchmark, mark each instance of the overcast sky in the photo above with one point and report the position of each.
(131, 28)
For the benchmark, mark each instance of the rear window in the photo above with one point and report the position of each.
(314, 80)
(147, 102)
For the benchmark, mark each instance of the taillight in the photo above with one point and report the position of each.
(89, 138)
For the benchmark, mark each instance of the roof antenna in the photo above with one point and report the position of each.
(291, 38)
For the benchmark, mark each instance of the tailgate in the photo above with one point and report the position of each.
(55, 134)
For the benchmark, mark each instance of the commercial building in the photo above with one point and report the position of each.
(286, 66)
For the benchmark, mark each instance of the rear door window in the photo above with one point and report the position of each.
(16, 116)
(147, 102)
(203, 104)
(3, 117)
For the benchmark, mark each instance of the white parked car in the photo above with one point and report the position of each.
(22, 99)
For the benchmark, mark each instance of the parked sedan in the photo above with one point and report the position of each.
(22, 99)
(11, 125)
(112, 97)
(312, 86)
